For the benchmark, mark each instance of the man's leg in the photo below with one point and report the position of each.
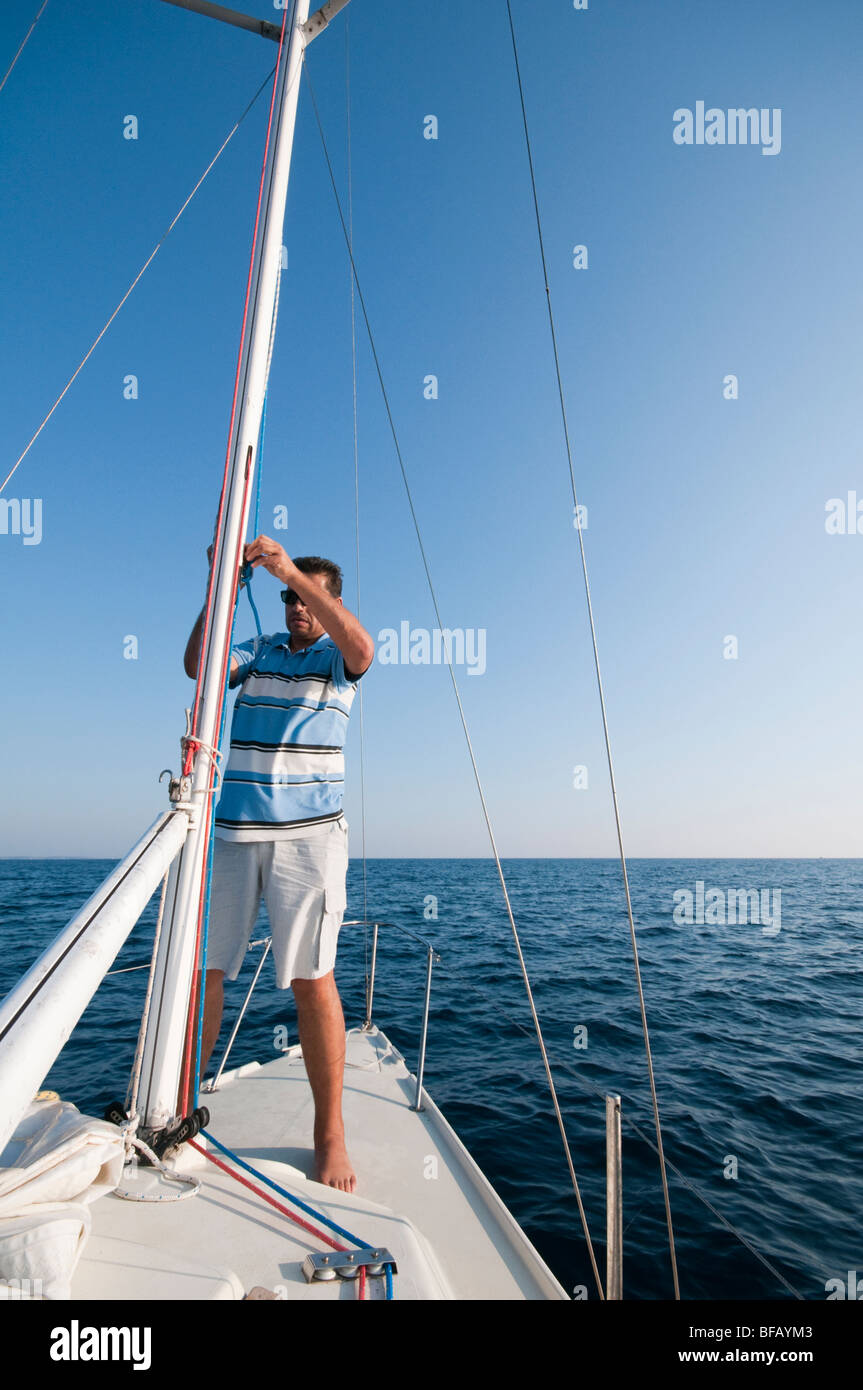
(214, 998)
(235, 896)
(322, 1037)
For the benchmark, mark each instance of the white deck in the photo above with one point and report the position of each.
(419, 1194)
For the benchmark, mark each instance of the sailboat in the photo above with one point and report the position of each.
(189, 1193)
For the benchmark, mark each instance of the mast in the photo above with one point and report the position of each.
(165, 1035)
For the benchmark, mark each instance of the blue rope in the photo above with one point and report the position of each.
(246, 575)
(246, 578)
(261, 461)
(310, 1211)
(252, 601)
(247, 571)
(297, 1201)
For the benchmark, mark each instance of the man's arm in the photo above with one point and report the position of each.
(355, 644)
(193, 646)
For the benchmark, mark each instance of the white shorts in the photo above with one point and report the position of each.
(302, 882)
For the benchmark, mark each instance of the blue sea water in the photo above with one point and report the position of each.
(755, 1033)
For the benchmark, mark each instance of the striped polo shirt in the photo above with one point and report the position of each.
(285, 772)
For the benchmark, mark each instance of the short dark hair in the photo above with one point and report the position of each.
(314, 564)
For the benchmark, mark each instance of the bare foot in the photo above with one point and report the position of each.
(332, 1165)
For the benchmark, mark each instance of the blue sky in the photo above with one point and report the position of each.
(706, 516)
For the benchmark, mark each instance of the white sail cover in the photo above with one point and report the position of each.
(57, 1162)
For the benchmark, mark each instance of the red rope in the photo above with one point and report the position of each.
(292, 1216)
(272, 1201)
(191, 743)
(185, 1100)
(222, 497)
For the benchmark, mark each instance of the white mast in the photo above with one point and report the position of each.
(166, 1028)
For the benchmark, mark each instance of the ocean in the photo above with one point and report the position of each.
(754, 1009)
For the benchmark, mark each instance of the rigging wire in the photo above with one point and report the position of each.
(150, 258)
(606, 733)
(588, 1085)
(535, 1016)
(22, 45)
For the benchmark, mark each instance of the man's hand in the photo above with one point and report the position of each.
(354, 643)
(275, 560)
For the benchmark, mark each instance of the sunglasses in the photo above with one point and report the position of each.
(290, 597)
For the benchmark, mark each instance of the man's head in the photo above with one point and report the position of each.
(302, 625)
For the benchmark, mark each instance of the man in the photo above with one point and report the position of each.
(280, 830)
